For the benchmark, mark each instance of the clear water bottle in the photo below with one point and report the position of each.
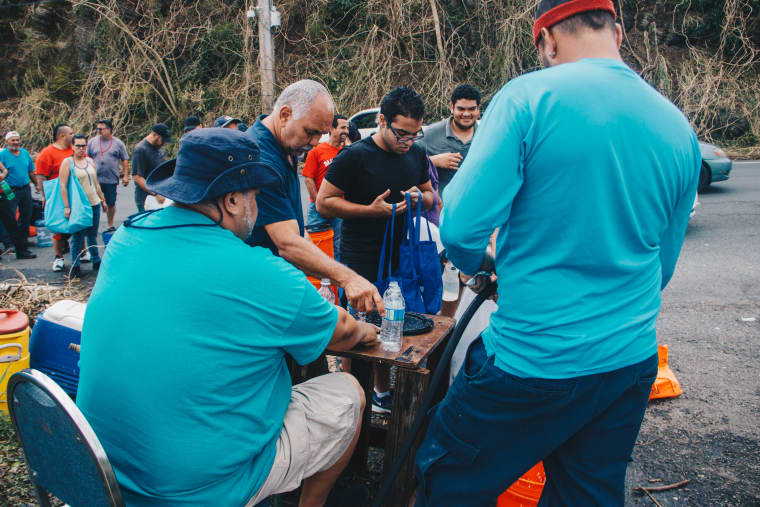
(450, 282)
(326, 291)
(392, 330)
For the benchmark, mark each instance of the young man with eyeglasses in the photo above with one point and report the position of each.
(363, 182)
(112, 162)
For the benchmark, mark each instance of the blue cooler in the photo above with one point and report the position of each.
(56, 328)
(44, 238)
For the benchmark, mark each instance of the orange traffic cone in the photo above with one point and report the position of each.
(666, 385)
(526, 490)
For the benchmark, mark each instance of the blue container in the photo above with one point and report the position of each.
(56, 328)
(44, 238)
(106, 237)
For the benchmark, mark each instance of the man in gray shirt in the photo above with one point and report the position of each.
(146, 156)
(446, 142)
(112, 163)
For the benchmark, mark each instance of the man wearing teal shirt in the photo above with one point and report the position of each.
(191, 398)
(589, 174)
(20, 168)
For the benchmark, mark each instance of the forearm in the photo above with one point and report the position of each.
(428, 199)
(38, 179)
(125, 169)
(307, 257)
(348, 332)
(331, 207)
(311, 186)
(140, 182)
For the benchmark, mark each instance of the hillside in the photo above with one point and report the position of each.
(142, 61)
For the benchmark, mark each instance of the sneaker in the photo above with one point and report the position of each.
(25, 254)
(85, 257)
(110, 229)
(382, 404)
(58, 264)
(75, 272)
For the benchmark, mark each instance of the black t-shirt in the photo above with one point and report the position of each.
(145, 158)
(364, 171)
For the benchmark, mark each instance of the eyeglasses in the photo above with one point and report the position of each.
(102, 128)
(80, 146)
(406, 139)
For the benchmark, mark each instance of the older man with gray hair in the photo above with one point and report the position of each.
(301, 115)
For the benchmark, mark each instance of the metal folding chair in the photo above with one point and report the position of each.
(63, 455)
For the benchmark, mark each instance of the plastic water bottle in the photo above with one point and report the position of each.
(392, 328)
(450, 282)
(6, 191)
(326, 291)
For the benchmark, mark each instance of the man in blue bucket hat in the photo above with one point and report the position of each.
(192, 400)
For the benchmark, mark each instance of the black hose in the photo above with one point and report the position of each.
(406, 447)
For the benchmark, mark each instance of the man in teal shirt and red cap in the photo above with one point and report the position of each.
(589, 174)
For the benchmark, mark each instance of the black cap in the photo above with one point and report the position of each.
(192, 123)
(163, 130)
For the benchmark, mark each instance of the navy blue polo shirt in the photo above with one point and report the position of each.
(280, 202)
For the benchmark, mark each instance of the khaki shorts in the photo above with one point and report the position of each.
(319, 425)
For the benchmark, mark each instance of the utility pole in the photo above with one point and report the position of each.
(266, 55)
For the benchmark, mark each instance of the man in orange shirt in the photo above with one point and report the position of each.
(47, 166)
(317, 162)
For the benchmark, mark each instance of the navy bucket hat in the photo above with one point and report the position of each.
(210, 163)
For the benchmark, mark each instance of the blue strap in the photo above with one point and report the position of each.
(381, 265)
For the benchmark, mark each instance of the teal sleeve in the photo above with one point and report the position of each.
(673, 236)
(479, 197)
(312, 328)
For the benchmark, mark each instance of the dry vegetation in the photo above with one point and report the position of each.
(141, 61)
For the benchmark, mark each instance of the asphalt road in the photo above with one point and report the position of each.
(710, 435)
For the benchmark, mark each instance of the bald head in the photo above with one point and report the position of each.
(302, 113)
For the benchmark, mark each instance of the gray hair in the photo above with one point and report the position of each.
(300, 96)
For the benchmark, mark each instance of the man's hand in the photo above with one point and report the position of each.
(414, 195)
(382, 209)
(105, 206)
(447, 160)
(369, 334)
(125, 180)
(160, 199)
(362, 295)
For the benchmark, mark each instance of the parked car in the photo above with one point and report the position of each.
(716, 166)
(366, 121)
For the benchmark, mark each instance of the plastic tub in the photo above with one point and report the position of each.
(44, 238)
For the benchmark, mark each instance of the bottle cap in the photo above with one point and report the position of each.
(325, 281)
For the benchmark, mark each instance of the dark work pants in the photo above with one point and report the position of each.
(8, 219)
(24, 205)
(493, 426)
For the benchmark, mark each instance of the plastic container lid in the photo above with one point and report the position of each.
(12, 321)
(66, 313)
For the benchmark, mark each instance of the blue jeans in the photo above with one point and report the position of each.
(493, 426)
(316, 223)
(91, 234)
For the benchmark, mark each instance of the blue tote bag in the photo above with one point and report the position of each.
(421, 258)
(81, 211)
(408, 281)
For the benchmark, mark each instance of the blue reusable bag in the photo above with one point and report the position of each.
(81, 211)
(421, 258)
(408, 281)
